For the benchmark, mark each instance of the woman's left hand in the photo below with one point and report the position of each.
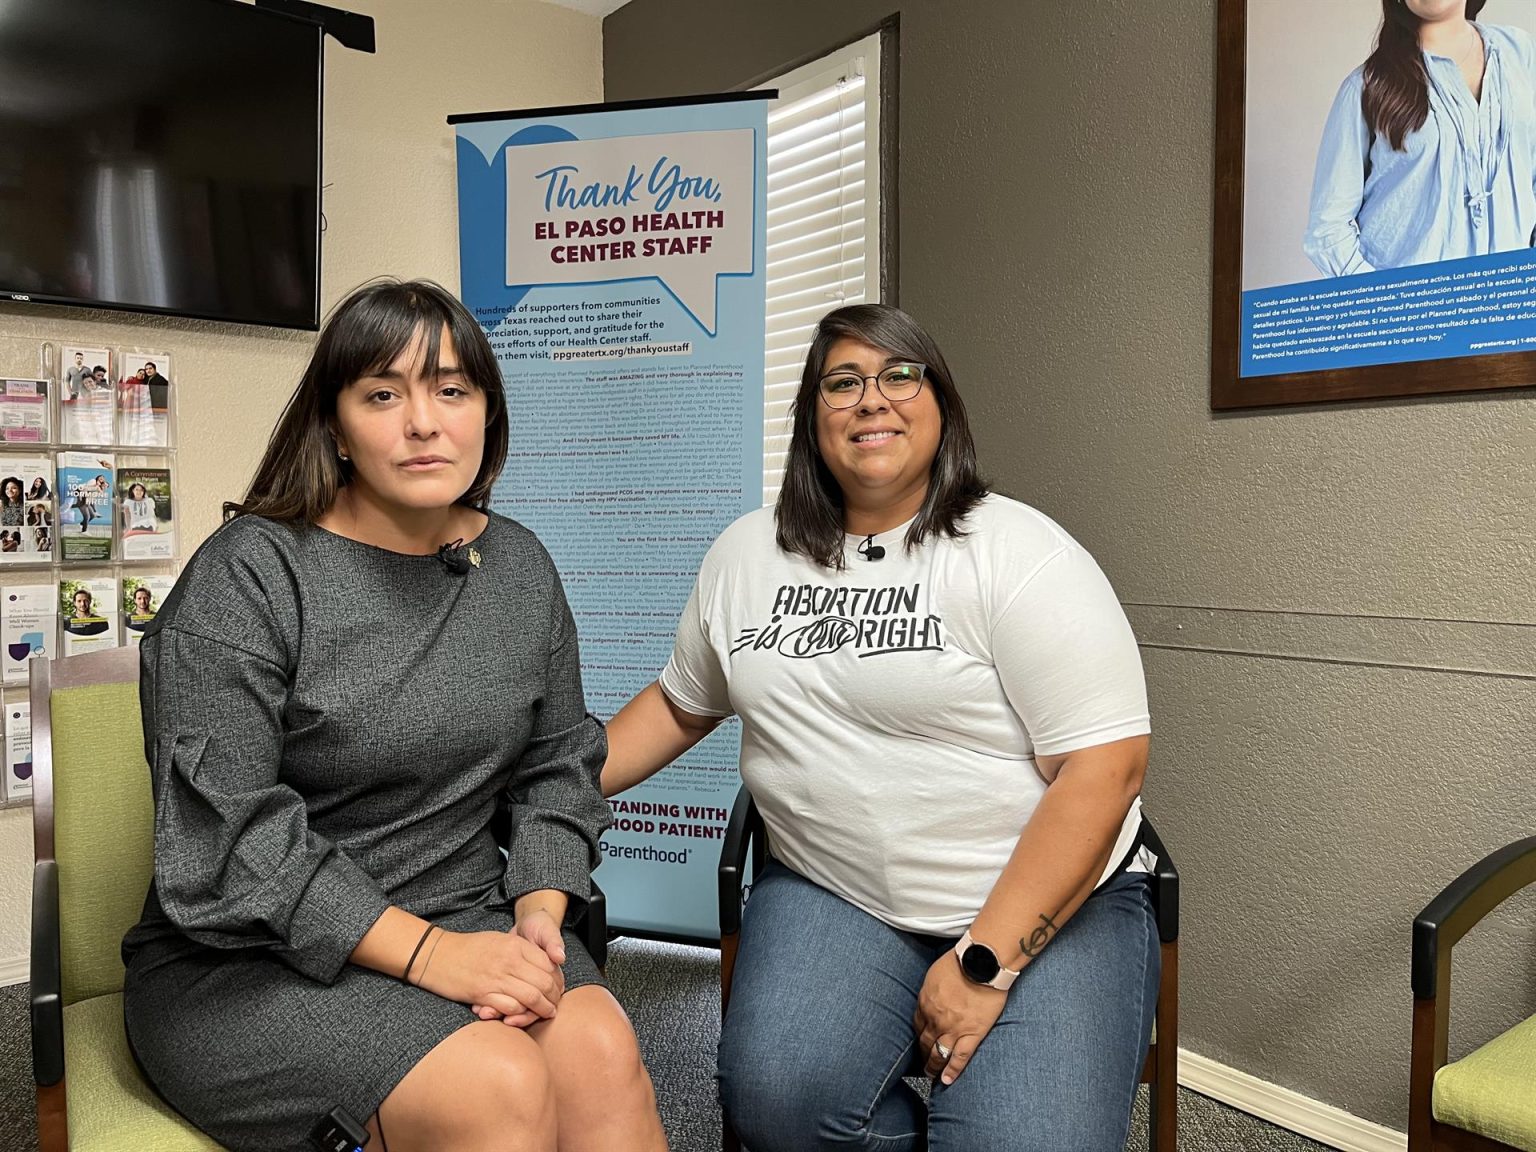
(956, 1013)
(540, 927)
(537, 927)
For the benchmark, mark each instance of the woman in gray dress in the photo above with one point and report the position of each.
(335, 702)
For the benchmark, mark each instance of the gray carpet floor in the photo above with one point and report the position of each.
(672, 994)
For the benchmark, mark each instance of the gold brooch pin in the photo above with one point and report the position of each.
(474, 557)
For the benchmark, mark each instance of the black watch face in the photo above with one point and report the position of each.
(979, 964)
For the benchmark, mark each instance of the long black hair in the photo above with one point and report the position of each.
(300, 475)
(1395, 98)
(809, 514)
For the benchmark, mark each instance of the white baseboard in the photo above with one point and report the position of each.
(13, 970)
(1300, 1114)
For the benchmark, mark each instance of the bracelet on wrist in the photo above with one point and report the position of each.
(405, 977)
(431, 952)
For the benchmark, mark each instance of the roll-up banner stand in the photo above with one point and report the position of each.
(614, 253)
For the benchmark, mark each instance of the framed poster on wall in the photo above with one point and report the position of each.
(1375, 191)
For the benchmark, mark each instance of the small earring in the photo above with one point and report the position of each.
(342, 456)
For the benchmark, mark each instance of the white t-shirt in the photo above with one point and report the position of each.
(891, 712)
(140, 514)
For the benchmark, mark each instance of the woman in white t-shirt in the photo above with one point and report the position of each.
(944, 724)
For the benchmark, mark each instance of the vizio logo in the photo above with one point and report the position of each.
(21, 297)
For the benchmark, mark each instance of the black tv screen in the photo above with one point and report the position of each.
(161, 156)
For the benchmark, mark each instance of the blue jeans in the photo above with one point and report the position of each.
(819, 1032)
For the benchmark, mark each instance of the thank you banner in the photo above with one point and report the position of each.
(615, 256)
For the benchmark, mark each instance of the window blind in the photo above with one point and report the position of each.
(823, 220)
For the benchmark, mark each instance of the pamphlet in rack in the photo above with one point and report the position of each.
(142, 597)
(28, 628)
(148, 520)
(85, 506)
(85, 402)
(24, 412)
(88, 614)
(18, 750)
(26, 509)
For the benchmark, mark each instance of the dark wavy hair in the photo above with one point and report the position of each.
(300, 475)
(1395, 98)
(809, 513)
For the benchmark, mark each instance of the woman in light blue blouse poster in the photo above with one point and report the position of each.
(1429, 151)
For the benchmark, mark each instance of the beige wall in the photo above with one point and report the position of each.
(1333, 739)
(390, 206)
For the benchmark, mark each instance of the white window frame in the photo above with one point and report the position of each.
(852, 69)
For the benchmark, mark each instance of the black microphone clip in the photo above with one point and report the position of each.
(870, 550)
(454, 557)
(338, 1131)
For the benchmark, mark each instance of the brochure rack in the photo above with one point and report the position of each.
(89, 520)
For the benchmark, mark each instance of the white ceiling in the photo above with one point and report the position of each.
(590, 7)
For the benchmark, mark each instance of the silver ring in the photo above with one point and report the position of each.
(944, 1053)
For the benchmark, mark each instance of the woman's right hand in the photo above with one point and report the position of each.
(501, 971)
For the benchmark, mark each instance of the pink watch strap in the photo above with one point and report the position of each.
(1005, 976)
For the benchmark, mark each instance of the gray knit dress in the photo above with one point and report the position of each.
(330, 726)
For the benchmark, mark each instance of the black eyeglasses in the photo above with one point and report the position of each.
(897, 383)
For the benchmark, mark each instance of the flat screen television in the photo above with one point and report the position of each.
(161, 156)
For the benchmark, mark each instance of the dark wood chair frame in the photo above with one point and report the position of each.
(117, 666)
(48, 1073)
(1436, 930)
(746, 835)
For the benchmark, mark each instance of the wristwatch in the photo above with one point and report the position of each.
(981, 965)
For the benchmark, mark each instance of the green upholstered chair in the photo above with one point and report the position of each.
(93, 830)
(1486, 1101)
(745, 834)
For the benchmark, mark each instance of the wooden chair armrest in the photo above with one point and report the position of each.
(592, 926)
(1462, 903)
(745, 828)
(1445, 920)
(1165, 884)
(46, 977)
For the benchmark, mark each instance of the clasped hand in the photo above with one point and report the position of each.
(955, 1013)
(511, 976)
